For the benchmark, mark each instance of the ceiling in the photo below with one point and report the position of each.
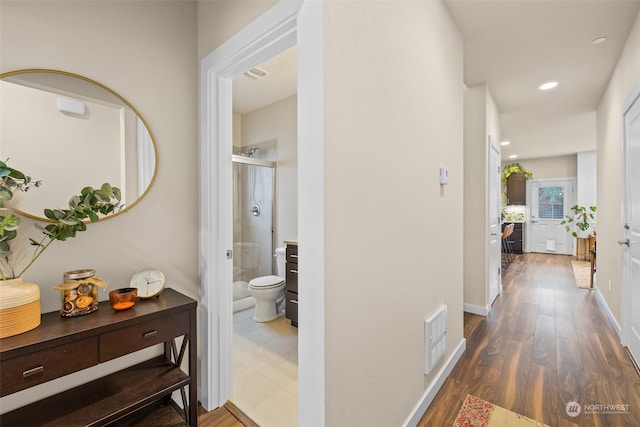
(250, 94)
(514, 46)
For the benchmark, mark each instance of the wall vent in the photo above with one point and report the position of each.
(435, 338)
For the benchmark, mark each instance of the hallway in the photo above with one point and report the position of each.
(545, 343)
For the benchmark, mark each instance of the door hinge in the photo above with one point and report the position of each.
(229, 254)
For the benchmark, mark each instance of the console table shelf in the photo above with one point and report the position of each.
(60, 346)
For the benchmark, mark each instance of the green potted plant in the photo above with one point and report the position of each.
(512, 168)
(20, 299)
(582, 219)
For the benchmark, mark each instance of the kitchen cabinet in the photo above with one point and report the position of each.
(291, 286)
(63, 345)
(517, 189)
(516, 240)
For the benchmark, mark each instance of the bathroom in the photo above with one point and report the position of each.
(265, 359)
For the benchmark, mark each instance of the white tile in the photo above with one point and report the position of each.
(265, 370)
(280, 410)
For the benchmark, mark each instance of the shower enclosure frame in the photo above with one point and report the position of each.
(252, 161)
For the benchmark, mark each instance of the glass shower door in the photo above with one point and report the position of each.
(253, 202)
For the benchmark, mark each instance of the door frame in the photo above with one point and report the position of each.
(625, 257)
(492, 145)
(529, 208)
(284, 25)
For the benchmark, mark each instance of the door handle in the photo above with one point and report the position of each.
(623, 242)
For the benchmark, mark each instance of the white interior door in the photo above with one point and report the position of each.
(630, 242)
(551, 200)
(495, 174)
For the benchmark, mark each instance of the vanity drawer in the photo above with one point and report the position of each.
(127, 340)
(291, 277)
(292, 254)
(291, 307)
(35, 368)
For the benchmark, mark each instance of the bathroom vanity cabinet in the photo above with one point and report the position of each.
(291, 280)
(133, 396)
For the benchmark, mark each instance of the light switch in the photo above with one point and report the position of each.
(444, 175)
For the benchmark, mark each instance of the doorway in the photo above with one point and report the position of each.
(281, 27)
(495, 235)
(551, 200)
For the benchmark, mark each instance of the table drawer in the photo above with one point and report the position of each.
(133, 338)
(32, 369)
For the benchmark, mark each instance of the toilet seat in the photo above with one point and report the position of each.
(266, 282)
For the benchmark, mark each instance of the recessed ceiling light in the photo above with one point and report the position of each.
(513, 156)
(505, 143)
(599, 40)
(548, 85)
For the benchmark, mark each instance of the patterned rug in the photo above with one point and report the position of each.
(479, 413)
(582, 272)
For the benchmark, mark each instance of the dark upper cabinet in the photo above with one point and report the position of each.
(517, 189)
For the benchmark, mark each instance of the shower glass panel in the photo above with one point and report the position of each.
(253, 201)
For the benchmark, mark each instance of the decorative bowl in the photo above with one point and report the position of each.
(124, 298)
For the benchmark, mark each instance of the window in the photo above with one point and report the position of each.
(551, 203)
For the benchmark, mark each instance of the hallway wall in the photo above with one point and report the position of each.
(609, 125)
(393, 234)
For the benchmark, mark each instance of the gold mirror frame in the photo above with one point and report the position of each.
(127, 104)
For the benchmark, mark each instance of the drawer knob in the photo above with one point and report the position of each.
(293, 256)
(293, 301)
(294, 271)
(34, 371)
(151, 334)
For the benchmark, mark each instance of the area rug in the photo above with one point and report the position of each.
(476, 412)
(582, 273)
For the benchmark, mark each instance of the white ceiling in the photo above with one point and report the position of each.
(514, 46)
(250, 94)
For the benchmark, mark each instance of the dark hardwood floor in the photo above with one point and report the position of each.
(228, 415)
(545, 343)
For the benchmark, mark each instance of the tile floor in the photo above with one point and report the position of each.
(265, 370)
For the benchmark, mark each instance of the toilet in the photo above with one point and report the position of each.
(268, 292)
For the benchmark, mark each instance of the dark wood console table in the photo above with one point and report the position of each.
(63, 345)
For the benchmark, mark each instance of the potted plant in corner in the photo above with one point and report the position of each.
(20, 300)
(582, 219)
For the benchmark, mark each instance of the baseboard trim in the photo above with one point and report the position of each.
(434, 386)
(605, 307)
(474, 309)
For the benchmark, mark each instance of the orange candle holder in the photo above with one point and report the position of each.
(123, 299)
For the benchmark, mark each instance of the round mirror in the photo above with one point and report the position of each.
(70, 132)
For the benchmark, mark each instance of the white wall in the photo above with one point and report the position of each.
(481, 119)
(151, 61)
(393, 235)
(587, 178)
(624, 78)
(278, 122)
(548, 167)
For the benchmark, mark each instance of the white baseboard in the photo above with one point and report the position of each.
(435, 385)
(474, 309)
(607, 310)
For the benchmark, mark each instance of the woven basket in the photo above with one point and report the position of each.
(19, 307)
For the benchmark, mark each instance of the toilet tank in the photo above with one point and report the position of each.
(246, 254)
(280, 261)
